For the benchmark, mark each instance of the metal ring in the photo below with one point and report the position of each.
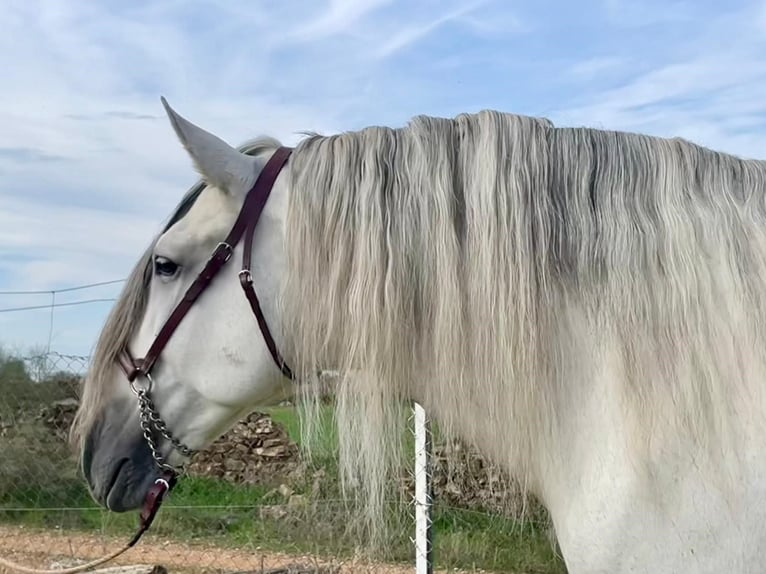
(163, 482)
(138, 390)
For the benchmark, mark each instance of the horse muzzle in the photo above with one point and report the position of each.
(117, 462)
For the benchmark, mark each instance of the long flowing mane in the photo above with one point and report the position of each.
(129, 308)
(489, 264)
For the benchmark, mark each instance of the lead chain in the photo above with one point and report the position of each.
(150, 419)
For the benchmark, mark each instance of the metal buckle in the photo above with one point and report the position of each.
(226, 247)
(247, 275)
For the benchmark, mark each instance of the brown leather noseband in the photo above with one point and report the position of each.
(244, 226)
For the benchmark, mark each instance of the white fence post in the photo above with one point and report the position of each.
(423, 493)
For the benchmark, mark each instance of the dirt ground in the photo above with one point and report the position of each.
(51, 549)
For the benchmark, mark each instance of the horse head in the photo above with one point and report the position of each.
(205, 360)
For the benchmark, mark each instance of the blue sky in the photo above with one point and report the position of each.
(89, 167)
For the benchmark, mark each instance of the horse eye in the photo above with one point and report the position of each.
(164, 267)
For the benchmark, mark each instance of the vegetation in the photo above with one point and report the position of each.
(303, 513)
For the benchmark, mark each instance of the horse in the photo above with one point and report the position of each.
(587, 307)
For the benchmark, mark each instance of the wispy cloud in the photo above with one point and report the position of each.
(710, 88)
(27, 155)
(638, 14)
(760, 18)
(411, 34)
(118, 114)
(338, 17)
(595, 67)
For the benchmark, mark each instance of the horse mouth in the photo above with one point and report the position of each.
(115, 492)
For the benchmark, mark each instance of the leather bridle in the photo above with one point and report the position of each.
(244, 226)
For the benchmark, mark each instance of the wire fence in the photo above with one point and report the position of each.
(250, 503)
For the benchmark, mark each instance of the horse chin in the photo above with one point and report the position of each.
(128, 487)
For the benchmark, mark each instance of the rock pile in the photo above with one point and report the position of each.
(463, 478)
(255, 449)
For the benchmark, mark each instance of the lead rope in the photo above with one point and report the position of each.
(148, 417)
(151, 506)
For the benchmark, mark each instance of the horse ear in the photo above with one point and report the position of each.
(218, 163)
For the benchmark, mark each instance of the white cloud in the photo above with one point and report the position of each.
(68, 245)
(709, 88)
(715, 100)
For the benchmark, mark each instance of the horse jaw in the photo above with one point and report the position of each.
(218, 163)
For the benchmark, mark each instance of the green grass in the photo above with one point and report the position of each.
(38, 474)
(326, 445)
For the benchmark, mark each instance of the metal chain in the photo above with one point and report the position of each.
(150, 420)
